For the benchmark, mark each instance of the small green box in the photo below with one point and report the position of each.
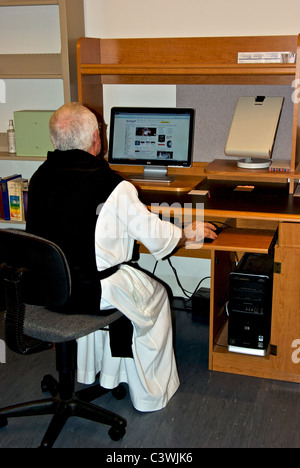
(32, 133)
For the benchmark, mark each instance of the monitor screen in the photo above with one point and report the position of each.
(151, 137)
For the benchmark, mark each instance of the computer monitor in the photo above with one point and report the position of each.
(155, 138)
(253, 130)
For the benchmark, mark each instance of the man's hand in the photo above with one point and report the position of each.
(196, 232)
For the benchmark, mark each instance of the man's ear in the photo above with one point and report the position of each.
(96, 146)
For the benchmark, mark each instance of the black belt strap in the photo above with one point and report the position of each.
(133, 262)
(110, 271)
(121, 330)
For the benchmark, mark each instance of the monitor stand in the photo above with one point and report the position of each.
(153, 174)
(254, 163)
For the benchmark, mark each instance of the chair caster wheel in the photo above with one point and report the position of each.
(119, 392)
(49, 384)
(3, 421)
(116, 434)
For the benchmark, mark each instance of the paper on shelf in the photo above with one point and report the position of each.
(266, 57)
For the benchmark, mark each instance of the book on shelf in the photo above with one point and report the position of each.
(25, 197)
(5, 198)
(14, 193)
(1, 203)
(280, 165)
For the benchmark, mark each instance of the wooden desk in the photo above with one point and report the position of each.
(254, 219)
(213, 61)
(180, 184)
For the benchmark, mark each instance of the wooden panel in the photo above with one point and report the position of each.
(88, 51)
(244, 240)
(30, 66)
(289, 235)
(203, 60)
(203, 78)
(257, 224)
(239, 240)
(189, 69)
(286, 307)
(295, 159)
(205, 50)
(221, 266)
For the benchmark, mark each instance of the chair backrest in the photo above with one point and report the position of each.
(46, 277)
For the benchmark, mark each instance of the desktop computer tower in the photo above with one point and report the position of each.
(250, 305)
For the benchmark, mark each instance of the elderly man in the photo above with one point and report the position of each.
(95, 216)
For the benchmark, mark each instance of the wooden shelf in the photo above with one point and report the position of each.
(244, 240)
(228, 169)
(221, 347)
(13, 157)
(21, 223)
(6, 156)
(31, 66)
(198, 73)
(27, 2)
(181, 183)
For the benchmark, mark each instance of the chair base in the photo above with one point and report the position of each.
(62, 408)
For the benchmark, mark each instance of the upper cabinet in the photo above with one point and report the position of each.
(203, 61)
(211, 60)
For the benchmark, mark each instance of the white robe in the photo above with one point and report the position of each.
(152, 375)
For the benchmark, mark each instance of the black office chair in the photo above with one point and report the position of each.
(34, 274)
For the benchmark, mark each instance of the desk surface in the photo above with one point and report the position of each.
(180, 184)
(268, 201)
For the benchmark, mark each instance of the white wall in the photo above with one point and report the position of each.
(177, 18)
(29, 29)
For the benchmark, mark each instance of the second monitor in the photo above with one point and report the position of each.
(253, 130)
(155, 138)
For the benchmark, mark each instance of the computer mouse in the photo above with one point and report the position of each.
(207, 240)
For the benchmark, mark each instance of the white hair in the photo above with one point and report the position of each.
(73, 126)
